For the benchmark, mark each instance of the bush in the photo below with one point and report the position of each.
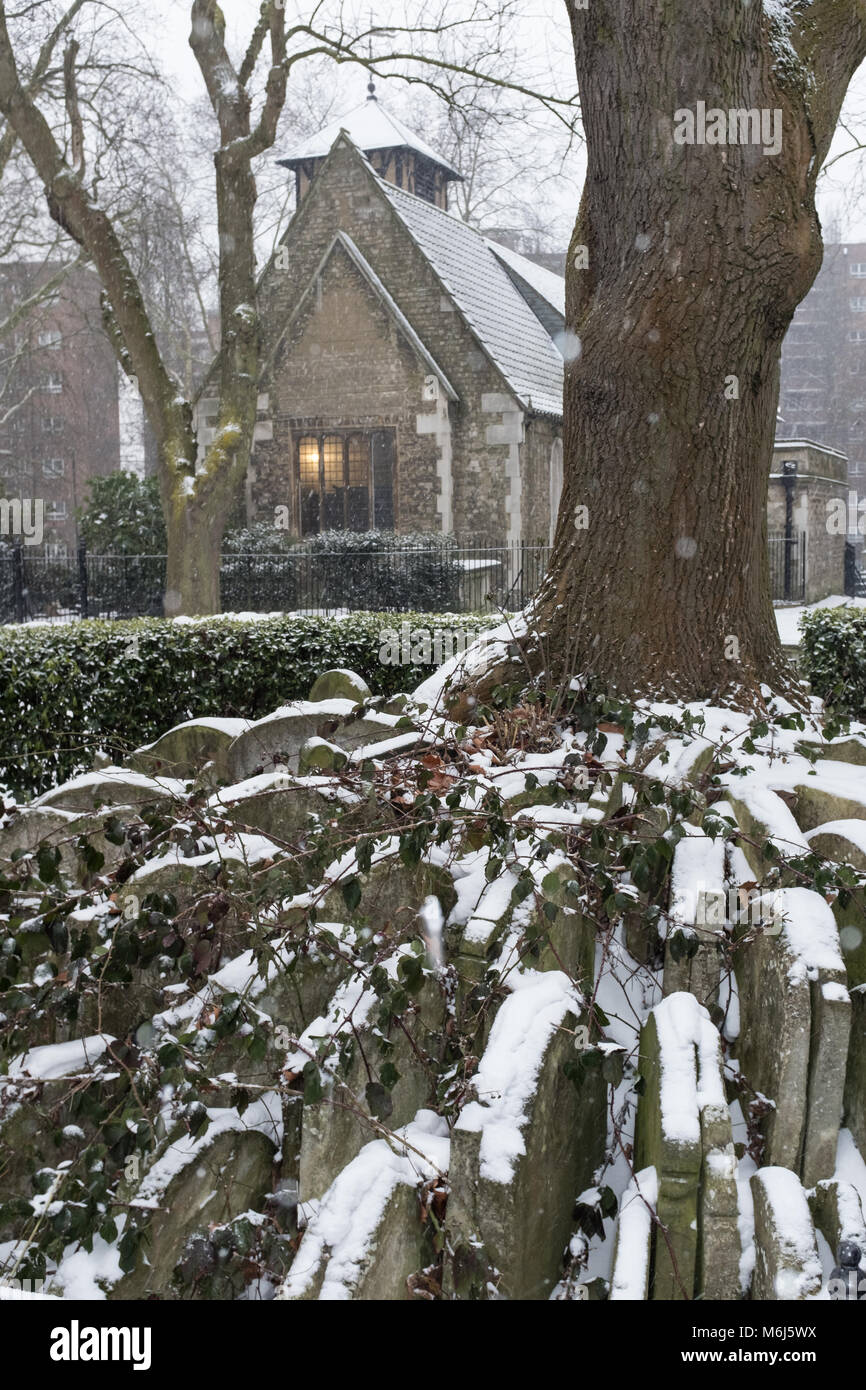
(67, 691)
(416, 571)
(123, 516)
(258, 571)
(834, 658)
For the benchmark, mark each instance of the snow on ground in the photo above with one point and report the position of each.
(636, 1217)
(788, 619)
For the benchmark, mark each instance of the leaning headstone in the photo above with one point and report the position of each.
(837, 1212)
(278, 738)
(341, 684)
(112, 786)
(318, 755)
(183, 750)
(855, 1076)
(201, 1181)
(683, 1132)
(718, 1274)
(794, 1006)
(787, 1265)
(698, 908)
(524, 1148)
(831, 1028)
(366, 1237)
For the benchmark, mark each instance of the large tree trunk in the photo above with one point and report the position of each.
(696, 258)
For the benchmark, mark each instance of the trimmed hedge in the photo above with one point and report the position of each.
(833, 658)
(67, 691)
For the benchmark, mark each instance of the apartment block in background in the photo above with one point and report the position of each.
(59, 416)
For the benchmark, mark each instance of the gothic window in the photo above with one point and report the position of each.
(346, 480)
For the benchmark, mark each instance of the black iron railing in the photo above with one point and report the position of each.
(457, 579)
(787, 567)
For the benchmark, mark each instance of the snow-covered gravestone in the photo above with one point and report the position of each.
(787, 1266)
(698, 907)
(683, 1132)
(522, 1151)
(365, 1238)
(796, 1018)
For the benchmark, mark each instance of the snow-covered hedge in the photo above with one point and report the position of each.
(834, 657)
(67, 691)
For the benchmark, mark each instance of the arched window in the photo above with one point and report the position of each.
(555, 484)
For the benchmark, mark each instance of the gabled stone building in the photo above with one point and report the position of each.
(411, 378)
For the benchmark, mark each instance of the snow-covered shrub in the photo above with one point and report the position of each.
(381, 569)
(834, 657)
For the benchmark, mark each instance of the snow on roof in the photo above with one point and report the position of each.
(545, 282)
(500, 317)
(371, 127)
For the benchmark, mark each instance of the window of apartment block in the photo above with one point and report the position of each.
(56, 550)
(52, 424)
(857, 336)
(345, 479)
(53, 468)
(858, 268)
(55, 511)
(51, 338)
(53, 382)
(858, 304)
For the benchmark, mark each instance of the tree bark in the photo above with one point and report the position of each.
(696, 258)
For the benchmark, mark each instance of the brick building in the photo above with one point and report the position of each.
(59, 418)
(410, 374)
(823, 385)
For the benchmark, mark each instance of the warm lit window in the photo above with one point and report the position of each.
(333, 463)
(308, 461)
(346, 480)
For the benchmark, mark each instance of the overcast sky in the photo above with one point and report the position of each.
(548, 64)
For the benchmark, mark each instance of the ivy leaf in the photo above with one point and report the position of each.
(351, 891)
(313, 1091)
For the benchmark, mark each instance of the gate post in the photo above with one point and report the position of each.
(82, 578)
(18, 580)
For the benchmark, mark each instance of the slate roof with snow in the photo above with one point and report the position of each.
(371, 127)
(545, 282)
(494, 308)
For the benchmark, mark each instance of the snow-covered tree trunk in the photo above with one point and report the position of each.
(686, 265)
